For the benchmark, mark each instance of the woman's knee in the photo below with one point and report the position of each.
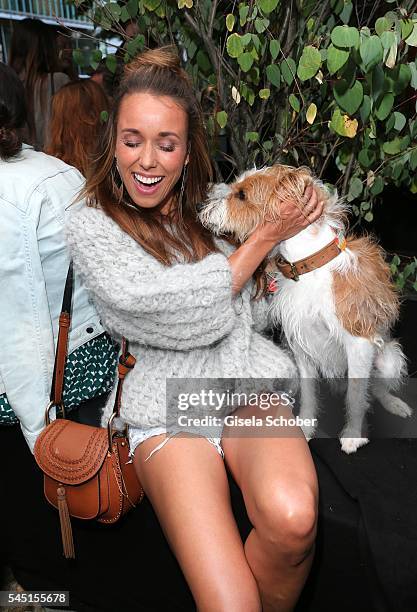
(285, 517)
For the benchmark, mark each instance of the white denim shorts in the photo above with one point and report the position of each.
(137, 436)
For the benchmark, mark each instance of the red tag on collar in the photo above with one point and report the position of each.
(272, 286)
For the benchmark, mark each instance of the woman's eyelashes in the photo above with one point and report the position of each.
(169, 148)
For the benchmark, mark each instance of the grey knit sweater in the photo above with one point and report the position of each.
(181, 321)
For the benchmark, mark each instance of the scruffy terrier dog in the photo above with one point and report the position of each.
(334, 300)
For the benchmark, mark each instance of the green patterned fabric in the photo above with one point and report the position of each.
(7, 416)
(90, 371)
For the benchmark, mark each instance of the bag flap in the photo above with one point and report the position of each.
(71, 452)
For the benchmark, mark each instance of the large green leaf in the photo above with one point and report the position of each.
(246, 39)
(311, 113)
(135, 45)
(382, 25)
(273, 74)
(243, 14)
(395, 146)
(371, 52)
(245, 61)
(413, 70)
(114, 9)
(378, 186)
(295, 102)
(355, 188)
(366, 158)
(221, 118)
(388, 39)
(378, 82)
(267, 6)
(384, 107)
(401, 76)
(366, 108)
(124, 15)
(345, 36)
(111, 63)
(151, 5)
(412, 39)
(336, 58)
(406, 28)
(132, 7)
(230, 21)
(252, 136)
(346, 11)
(234, 45)
(261, 24)
(274, 48)
(343, 125)
(310, 62)
(264, 93)
(288, 70)
(348, 99)
(413, 160)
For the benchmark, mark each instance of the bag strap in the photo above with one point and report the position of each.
(62, 344)
(126, 363)
(126, 360)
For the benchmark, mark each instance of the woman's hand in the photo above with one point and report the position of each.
(248, 256)
(292, 220)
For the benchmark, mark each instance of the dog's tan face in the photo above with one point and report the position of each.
(257, 195)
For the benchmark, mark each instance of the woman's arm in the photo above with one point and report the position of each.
(27, 342)
(249, 255)
(180, 307)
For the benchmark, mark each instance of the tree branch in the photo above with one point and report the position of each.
(212, 16)
(348, 173)
(216, 59)
(326, 161)
(218, 62)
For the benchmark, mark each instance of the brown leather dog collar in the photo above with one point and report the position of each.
(294, 269)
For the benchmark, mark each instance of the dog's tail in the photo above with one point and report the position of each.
(391, 363)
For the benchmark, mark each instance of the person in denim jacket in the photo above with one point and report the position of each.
(35, 193)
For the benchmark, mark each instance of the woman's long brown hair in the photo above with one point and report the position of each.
(74, 140)
(157, 72)
(34, 57)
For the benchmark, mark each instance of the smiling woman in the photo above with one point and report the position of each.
(168, 285)
(153, 127)
(150, 157)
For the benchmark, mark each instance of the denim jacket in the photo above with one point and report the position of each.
(35, 192)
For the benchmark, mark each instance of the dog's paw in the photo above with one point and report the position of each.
(351, 445)
(399, 407)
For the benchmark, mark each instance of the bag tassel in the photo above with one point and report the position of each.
(65, 520)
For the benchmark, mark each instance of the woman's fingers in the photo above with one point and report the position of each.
(314, 208)
(308, 192)
(316, 213)
(312, 200)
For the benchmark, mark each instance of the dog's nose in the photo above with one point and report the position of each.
(199, 207)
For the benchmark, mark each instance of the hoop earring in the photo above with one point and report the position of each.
(181, 196)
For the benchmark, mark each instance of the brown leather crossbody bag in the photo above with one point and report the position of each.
(88, 473)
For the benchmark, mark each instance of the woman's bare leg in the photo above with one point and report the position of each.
(187, 485)
(279, 485)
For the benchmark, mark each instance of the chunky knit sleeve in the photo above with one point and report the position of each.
(180, 307)
(260, 311)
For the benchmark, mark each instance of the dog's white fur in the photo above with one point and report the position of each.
(307, 313)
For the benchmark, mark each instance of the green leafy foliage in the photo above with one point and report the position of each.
(310, 62)
(316, 84)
